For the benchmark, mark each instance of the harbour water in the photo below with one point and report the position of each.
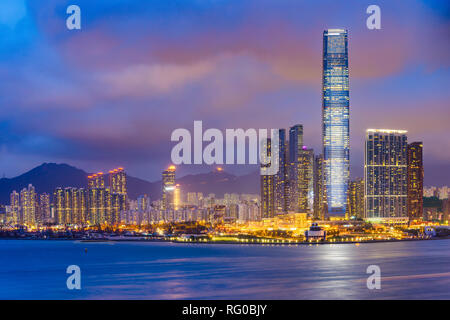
(36, 269)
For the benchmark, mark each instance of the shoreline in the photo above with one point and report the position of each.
(268, 242)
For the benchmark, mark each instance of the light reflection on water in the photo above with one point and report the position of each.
(410, 270)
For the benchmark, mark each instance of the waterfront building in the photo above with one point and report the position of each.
(415, 180)
(118, 181)
(28, 206)
(44, 208)
(70, 205)
(14, 212)
(320, 199)
(168, 188)
(267, 188)
(385, 174)
(177, 197)
(335, 119)
(281, 178)
(294, 150)
(356, 199)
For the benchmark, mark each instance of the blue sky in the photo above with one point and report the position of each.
(111, 93)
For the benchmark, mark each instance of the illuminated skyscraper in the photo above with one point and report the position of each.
(59, 206)
(70, 205)
(177, 197)
(168, 188)
(28, 205)
(385, 174)
(267, 187)
(295, 149)
(96, 180)
(356, 199)
(335, 119)
(118, 181)
(415, 180)
(281, 178)
(44, 208)
(14, 214)
(303, 183)
(320, 200)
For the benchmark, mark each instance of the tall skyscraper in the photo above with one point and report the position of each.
(70, 205)
(14, 215)
(118, 181)
(335, 119)
(97, 180)
(177, 197)
(281, 178)
(168, 188)
(385, 174)
(355, 208)
(415, 180)
(304, 173)
(59, 206)
(267, 187)
(28, 205)
(295, 142)
(44, 208)
(320, 199)
(294, 168)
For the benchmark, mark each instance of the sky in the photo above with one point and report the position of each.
(111, 93)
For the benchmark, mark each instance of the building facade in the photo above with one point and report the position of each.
(281, 178)
(356, 199)
(385, 174)
(267, 188)
(320, 199)
(415, 180)
(335, 119)
(168, 188)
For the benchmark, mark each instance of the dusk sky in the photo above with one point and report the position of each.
(111, 93)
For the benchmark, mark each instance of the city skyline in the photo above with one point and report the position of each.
(93, 128)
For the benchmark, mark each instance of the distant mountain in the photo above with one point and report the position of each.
(48, 176)
(220, 182)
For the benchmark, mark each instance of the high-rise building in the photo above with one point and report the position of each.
(14, 214)
(70, 206)
(59, 206)
(335, 119)
(320, 199)
(143, 203)
(293, 170)
(385, 174)
(44, 208)
(355, 199)
(281, 178)
(118, 181)
(100, 206)
(96, 180)
(177, 197)
(28, 206)
(306, 178)
(295, 142)
(267, 186)
(168, 188)
(415, 180)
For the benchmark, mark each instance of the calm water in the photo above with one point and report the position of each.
(36, 270)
